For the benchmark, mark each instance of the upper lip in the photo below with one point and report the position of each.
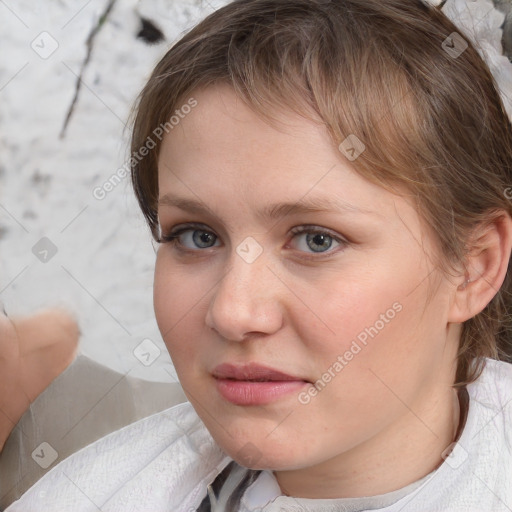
(251, 371)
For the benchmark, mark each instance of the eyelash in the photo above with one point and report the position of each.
(173, 238)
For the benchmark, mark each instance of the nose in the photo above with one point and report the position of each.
(246, 301)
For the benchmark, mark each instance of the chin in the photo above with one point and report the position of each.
(255, 453)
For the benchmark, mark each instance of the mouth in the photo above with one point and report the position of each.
(252, 372)
(254, 384)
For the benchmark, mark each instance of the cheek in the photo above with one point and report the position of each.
(370, 360)
(178, 306)
(348, 308)
(380, 322)
(373, 362)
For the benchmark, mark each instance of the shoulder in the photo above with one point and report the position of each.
(490, 415)
(148, 463)
(493, 389)
(83, 404)
(491, 399)
(475, 474)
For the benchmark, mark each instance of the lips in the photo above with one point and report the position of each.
(253, 384)
(252, 372)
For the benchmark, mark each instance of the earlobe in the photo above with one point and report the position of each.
(485, 267)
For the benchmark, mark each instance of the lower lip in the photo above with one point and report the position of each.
(243, 392)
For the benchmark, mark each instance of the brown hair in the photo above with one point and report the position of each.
(432, 122)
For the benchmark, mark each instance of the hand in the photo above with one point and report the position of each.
(34, 350)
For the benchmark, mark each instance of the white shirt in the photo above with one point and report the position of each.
(262, 494)
(165, 462)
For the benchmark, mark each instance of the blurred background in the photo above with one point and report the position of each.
(69, 73)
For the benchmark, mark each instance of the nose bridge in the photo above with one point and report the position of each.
(246, 278)
(245, 298)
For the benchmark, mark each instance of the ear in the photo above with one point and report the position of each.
(485, 268)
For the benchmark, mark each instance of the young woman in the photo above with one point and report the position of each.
(328, 183)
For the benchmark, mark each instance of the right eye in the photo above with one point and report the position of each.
(190, 237)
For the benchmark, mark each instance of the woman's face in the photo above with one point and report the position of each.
(294, 262)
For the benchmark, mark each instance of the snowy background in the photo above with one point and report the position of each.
(102, 269)
(59, 245)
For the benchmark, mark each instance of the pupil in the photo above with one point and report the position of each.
(324, 241)
(203, 238)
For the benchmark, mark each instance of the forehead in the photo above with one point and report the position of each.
(224, 154)
(223, 124)
(222, 136)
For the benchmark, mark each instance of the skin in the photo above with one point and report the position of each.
(34, 351)
(385, 419)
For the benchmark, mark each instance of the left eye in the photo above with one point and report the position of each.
(315, 240)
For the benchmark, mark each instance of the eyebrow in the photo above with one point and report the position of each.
(274, 211)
